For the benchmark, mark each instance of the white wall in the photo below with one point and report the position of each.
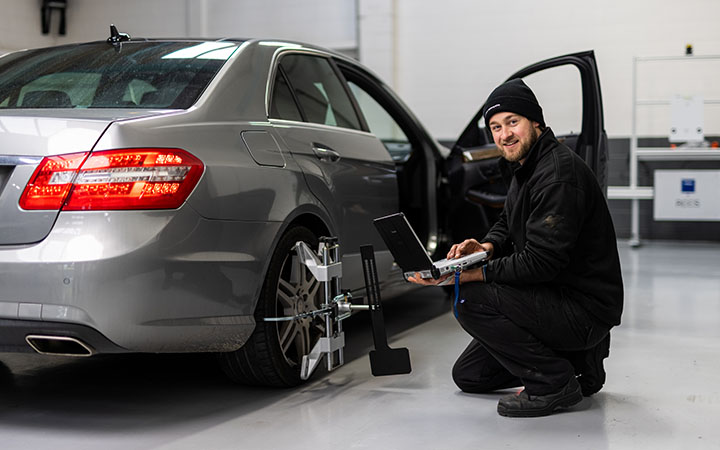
(443, 58)
(377, 39)
(89, 20)
(449, 55)
(330, 23)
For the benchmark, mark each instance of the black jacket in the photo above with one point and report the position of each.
(556, 228)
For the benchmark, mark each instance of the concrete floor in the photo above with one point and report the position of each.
(661, 393)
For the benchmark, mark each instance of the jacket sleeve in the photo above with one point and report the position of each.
(498, 236)
(552, 229)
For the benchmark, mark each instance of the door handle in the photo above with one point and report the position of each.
(325, 153)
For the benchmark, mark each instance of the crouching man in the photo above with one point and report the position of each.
(541, 310)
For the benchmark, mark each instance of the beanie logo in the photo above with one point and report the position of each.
(491, 108)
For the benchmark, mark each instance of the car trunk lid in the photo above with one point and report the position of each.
(26, 137)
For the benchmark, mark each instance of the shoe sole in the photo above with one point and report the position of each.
(568, 401)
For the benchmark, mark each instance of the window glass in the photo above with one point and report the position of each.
(67, 89)
(319, 91)
(135, 91)
(559, 92)
(283, 105)
(382, 124)
(139, 75)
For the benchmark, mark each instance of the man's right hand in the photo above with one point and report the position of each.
(469, 246)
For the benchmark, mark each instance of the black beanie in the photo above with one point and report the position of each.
(513, 96)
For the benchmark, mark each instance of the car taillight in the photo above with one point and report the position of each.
(145, 178)
(51, 182)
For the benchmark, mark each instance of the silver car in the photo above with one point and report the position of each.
(151, 192)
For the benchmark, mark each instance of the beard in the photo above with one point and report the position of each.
(523, 150)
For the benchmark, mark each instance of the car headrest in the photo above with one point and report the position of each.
(46, 99)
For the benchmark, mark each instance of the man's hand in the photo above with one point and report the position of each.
(417, 279)
(469, 246)
(466, 276)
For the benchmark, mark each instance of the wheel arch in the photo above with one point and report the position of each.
(309, 216)
(312, 222)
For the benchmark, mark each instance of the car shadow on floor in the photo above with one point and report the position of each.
(113, 393)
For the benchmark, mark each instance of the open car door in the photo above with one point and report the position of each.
(568, 89)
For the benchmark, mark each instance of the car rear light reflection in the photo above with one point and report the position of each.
(114, 179)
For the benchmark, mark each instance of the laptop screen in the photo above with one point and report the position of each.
(403, 243)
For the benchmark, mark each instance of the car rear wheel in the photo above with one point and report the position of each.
(273, 354)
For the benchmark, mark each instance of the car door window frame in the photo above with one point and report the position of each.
(362, 124)
(371, 87)
(388, 115)
(353, 100)
(424, 153)
(280, 72)
(588, 100)
(276, 67)
(592, 132)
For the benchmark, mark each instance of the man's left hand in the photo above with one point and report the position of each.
(466, 276)
(417, 279)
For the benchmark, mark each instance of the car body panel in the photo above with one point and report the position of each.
(356, 188)
(24, 141)
(149, 277)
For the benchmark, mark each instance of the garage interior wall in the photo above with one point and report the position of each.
(329, 23)
(443, 58)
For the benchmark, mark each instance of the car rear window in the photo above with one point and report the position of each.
(143, 74)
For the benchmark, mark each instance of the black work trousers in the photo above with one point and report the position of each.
(520, 334)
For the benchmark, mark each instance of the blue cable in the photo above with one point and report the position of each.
(457, 291)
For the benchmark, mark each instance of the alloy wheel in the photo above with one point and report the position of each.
(298, 292)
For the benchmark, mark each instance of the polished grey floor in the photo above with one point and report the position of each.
(662, 390)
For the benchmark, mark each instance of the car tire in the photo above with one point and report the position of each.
(273, 353)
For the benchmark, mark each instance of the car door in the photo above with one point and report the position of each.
(345, 166)
(417, 157)
(568, 89)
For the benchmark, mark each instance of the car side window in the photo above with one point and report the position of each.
(382, 124)
(283, 105)
(321, 95)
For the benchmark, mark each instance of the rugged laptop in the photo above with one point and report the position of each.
(410, 254)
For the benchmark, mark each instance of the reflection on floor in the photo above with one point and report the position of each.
(662, 390)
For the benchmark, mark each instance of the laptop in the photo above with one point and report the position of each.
(410, 254)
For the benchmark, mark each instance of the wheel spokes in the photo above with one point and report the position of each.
(287, 295)
(287, 336)
(303, 340)
(298, 291)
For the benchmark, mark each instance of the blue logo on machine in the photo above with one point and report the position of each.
(687, 185)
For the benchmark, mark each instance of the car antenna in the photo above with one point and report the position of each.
(116, 38)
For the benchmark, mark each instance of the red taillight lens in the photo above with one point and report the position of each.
(130, 179)
(51, 182)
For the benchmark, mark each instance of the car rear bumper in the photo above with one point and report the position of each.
(14, 334)
(161, 281)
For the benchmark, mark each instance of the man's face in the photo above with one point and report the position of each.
(514, 135)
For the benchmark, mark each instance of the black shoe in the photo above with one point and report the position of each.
(523, 404)
(592, 373)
